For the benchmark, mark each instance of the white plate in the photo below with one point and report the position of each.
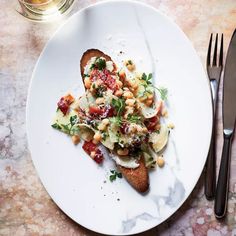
(73, 180)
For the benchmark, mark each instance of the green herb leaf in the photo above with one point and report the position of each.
(114, 175)
(112, 178)
(163, 93)
(116, 120)
(66, 128)
(147, 78)
(119, 175)
(134, 118)
(56, 126)
(99, 91)
(73, 120)
(99, 64)
(119, 105)
(104, 136)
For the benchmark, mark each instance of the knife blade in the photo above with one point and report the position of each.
(229, 115)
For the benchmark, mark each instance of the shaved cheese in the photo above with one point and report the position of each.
(159, 140)
(127, 162)
(86, 132)
(109, 66)
(148, 112)
(108, 143)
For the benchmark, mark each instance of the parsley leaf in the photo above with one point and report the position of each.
(114, 175)
(119, 105)
(134, 118)
(73, 120)
(147, 78)
(163, 93)
(99, 64)
(116, 120)
(70, 128)
(56, 126)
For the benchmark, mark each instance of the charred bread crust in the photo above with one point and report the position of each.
(88, 55)
(138, 178)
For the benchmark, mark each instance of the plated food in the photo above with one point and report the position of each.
(122, 110)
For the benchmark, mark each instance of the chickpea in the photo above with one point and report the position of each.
(139, 128)
(130, 102)
(100, 101)
(164, 112)
(142, 99)
(130, 65)
(118, 93)
(97, 136)
(119, 83)
(75, 139)
(101, 127)
(150, 96)
(126, 89)
(122, 75)
(160, 161)
(133, 128)
(123, 152)
(128, 94)
(149, 102)
(171, 125)
(92, 154)
(133, 84)
(105, 121)
(87, 82)
(144, 130)
(158, 127)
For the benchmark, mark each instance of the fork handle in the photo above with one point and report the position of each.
(210, 174)
(223, 179)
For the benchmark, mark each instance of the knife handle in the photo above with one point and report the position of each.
(223, 179)
(210, 174)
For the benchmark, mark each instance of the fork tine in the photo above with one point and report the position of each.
(221, 51)
(209, 52)
(215, 51)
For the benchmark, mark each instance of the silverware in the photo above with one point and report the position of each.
(229, 115)
(214, 70)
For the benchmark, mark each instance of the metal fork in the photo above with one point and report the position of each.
(214, 70)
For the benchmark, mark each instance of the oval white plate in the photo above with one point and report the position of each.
(78, 185)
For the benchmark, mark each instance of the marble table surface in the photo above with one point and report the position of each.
(26, 208)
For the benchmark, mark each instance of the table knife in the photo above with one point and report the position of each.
(229, 115)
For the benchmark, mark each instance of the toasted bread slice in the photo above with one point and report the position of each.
(138, 178)
(88, 55)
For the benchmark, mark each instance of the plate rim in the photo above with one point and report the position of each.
(171, 21)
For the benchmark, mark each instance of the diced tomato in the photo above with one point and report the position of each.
(108, 112)
(151, 123)
(91, 147)
(107, 78)
(95, 110)
(124, 128)
(64, 103)
(98, 156)
(105, 112)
